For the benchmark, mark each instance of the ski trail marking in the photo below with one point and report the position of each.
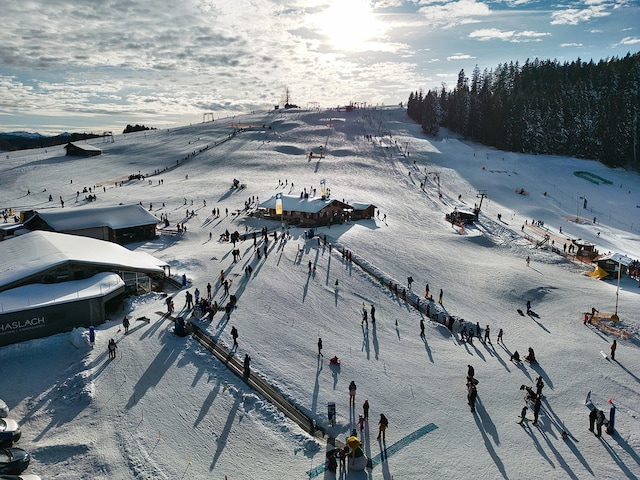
(395, 448)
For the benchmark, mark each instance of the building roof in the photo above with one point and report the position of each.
(615, 257)
(40, 295)
(84, 146)
(293, 203)
(26, 255)
(361, 205)
(115, 217)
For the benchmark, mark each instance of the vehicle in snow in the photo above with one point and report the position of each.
(9, 432)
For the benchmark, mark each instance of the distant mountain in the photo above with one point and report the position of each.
(10, 141)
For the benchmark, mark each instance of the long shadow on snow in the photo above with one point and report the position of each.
(629, 449)
(155, 371)
(479, 419)
(559, 457)
(222, 439)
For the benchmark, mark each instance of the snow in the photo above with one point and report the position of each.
(165, 408)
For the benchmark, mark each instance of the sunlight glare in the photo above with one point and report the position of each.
(349, 24)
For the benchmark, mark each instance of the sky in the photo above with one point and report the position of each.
(83, 65)
(166, 409)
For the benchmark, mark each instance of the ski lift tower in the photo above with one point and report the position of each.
(481, 194)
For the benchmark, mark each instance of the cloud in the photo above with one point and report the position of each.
(571, 45)
(450, 14)
(460, 56)
(574, 16)
(628, 41)
(487, 34)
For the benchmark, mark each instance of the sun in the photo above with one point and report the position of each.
(349, 24)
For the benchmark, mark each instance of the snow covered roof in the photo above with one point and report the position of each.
(293, 203)
(85, 146)
(616, 257)
(115, 217)
(39, 294)
(361, 205)
(37, 251)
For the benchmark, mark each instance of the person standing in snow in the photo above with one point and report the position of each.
(382, 426)
(365, 409)
(528, 307)
(472, 395)
(470, 373)
(478, 331)
(208, 291)
(125, 324)
(536, 409)
(500, 333)
(422, 328)
(426, 291)
(373, 314)
(320, 347)
(92, 336)
(440, 297)
(352, 393)
(234, 335)
(247, 365)
(593, 415)
(487, 339)
(600, 419)
(112, 348)
(614, 345)
(539, 386)
(364, 315)
(528, 260)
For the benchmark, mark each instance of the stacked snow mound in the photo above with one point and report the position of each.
(79, 337)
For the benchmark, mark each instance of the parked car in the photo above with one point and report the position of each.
(13, 461)
(24, 476)
(9, 432)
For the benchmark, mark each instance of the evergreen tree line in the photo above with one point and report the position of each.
(577, 109)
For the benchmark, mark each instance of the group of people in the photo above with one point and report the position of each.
(383, 423)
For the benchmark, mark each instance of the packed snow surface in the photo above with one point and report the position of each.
(165, 408)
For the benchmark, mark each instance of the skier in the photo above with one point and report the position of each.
(234, 334)
(125, 324)
(593, 415)
(320, 347)
(614, 345)
(382, 426)
(500, 332)
(523, 414)
(365, 409)
(352, 393)
(373, 314)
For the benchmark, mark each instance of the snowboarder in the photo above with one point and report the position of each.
(373, 314)
(234, 335)
(382, 426)
(500, 333)
(614, 345)
(352, 393)
(536, 409)
(365, 409)
(125, 324)
(593, 415)
(523, 414)
(320, 347)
